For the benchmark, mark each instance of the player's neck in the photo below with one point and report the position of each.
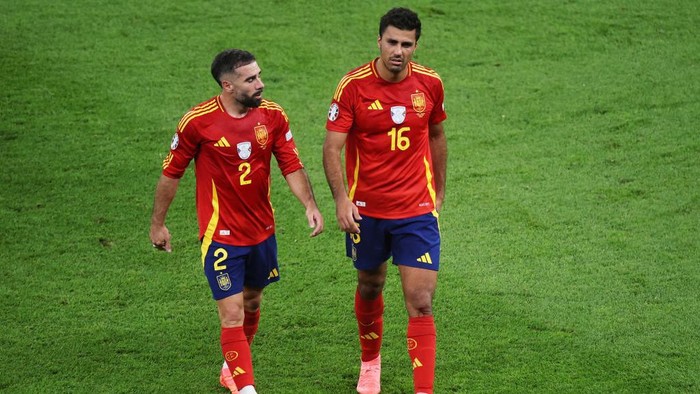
(387, 75)
(232, 106)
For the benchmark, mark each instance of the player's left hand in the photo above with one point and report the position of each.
(315, 221)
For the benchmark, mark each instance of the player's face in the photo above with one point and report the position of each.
(245, 85)
(396, 48)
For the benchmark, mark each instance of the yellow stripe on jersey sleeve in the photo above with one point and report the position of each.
(167, 160)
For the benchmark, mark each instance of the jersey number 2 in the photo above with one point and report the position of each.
(245, 168)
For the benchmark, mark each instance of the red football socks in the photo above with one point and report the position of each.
(421, 337)
(369, 314)
(237, 355)
(250, 325)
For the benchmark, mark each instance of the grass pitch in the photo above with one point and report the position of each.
(570, 255)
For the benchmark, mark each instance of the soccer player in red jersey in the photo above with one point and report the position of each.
(388, 115)
(231, 138)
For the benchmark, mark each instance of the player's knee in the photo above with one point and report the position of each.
(252, 298)
(252, 305)
(419, 303)
(370, 290)
(420, 311)
(231, 316)
(231, 321)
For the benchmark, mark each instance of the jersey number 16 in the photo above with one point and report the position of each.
(398, 140)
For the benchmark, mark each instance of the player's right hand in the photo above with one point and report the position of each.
(348, 216)
(160, 238)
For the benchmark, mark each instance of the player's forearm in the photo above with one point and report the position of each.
(337, 185)
(438, 151)
(300, 186)
(334, 172)
(164, 195)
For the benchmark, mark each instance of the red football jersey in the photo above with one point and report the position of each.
(232, 168)
(387, 153)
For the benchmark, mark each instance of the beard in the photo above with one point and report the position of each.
(253, 101)
(393, 67)
(396, 69)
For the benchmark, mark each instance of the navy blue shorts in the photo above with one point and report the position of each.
(413, 242)
(228, 268)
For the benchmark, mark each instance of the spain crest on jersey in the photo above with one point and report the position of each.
(418, 100)
(224, 281)
(261, 134)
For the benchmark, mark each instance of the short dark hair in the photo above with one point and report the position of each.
(229, 60)
(401, 18)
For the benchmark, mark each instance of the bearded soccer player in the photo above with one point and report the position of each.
(232, 138)
(388, 115)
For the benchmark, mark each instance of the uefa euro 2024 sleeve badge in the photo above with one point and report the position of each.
(174, 142)
(333, 112)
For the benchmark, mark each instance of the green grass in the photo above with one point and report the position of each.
(570, 241)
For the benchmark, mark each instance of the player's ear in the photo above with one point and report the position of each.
(379, 42)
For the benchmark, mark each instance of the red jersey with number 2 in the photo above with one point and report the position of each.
(387, 153)
(232, 168)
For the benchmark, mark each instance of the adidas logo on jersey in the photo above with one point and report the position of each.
(222, 143)
(376, 105)
(425, 259)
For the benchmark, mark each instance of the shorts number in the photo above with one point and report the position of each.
(398, 140)
(245, 168)
(355, 237)
(222, 255)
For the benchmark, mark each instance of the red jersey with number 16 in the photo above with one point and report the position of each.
(232, 168)
(387, 152)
